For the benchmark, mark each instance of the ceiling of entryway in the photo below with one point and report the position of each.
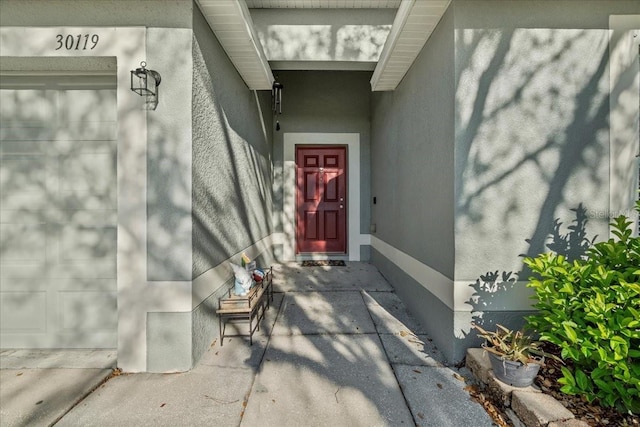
(327, 4)
(380, 35)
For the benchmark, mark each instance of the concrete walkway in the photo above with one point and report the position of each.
(336, 348)
(37, 387)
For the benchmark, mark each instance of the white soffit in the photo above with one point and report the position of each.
(414, 23)
(323, 4)
(231, 22)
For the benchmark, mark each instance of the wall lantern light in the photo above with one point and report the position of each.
(145, 83)
(276, 98)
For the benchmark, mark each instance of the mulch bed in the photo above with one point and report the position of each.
(324, 263)
(591, 413)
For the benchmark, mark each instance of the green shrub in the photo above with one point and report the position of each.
(590, 308)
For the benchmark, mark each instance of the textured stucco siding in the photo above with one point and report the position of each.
(413, 181)
(526, 92)
(39, 13)
(412, 157)
(532, 139)
(169, 164)
(532, 127)
(435, 316)
(169, 342)
(231, 156)
(204, 326)
(532, 144)
(169, 157)
(231, 175)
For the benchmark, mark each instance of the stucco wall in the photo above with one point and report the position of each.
(231, 175)
(231, 156)
(168, 201)
(532, 132)
(412, 157)
(162, 247)
(526, 134)
(169, 157)
(154, 265)
(412, 179)
(157, 13)
(532, 140)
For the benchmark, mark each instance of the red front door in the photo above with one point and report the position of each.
(321, 199)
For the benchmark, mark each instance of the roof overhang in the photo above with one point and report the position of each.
(412, 27)
(232, 24)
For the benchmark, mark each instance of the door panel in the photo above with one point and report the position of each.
(331, 224)
(311, 187)
(321, 203)
(311, 226)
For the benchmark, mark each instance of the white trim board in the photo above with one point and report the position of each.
(624, 109)
(352, 141)
(454, 294)
(211, 280)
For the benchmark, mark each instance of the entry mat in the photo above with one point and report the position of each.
(323, 263)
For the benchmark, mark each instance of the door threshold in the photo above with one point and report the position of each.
(322, 257)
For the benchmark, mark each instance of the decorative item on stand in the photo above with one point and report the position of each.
(276, 100)
(515, 357)
(145, 83)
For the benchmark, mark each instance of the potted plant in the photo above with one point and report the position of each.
(515, 357)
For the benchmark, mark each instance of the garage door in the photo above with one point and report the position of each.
(58, 212)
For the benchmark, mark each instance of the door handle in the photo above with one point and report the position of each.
(341, 206)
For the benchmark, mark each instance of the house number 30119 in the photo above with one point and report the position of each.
(77, 42)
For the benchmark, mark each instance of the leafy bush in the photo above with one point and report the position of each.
(590, 308)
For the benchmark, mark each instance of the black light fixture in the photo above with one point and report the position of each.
(145, 83)
(276, 98)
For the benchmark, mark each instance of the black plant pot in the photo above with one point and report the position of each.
(513, 373)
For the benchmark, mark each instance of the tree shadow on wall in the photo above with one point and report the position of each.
(574, 244)
(493, 291)
(324, 42)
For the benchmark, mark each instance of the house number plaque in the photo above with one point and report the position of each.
(77, 42)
